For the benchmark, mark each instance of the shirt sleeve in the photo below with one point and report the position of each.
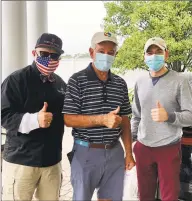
(136, 114)
(183, 118)
(126, 106)
(29, 122)
(72, 102)
(11, 104)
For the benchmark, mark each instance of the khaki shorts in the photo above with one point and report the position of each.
(21, 182)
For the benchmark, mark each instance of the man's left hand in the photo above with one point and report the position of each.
(159, 114)
(129, 162)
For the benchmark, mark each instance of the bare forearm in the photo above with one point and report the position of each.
(83, 121)
(126, 135)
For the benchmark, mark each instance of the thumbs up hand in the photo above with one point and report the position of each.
(115, 111)
(45, 106)
(44, 117)
(159, 114)
(112, 119)
(159, 105)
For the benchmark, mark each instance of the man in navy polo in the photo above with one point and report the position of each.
(97, 107)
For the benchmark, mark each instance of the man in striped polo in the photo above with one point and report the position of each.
(97, 107)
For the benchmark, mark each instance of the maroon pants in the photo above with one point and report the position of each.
(158, 162)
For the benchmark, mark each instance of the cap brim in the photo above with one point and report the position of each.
(52, 47)
(146, 48)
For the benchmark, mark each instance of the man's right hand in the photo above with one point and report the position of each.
(112, 120)
(44, 117)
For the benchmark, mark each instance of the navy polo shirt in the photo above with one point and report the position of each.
(87, 95)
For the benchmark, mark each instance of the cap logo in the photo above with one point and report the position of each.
(107, 34)
(52, 42)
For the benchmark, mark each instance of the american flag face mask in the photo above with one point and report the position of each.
(45, 65)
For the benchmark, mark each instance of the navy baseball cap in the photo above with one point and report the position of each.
(47, 40)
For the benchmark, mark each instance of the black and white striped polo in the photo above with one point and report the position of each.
(88, 95)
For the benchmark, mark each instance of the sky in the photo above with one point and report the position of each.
(75, 22)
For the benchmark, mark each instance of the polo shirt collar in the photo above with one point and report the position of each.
(92, 76)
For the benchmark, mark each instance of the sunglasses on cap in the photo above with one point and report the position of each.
(53, 56)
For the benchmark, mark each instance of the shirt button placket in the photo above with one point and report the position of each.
(104, 92)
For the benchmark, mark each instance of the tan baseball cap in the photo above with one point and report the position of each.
(155, 41)
(99, 37)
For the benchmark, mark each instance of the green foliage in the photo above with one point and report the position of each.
(130, 95)
(137, 21)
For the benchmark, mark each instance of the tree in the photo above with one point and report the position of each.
(67, 56)
(76, 56)
(138, 21)
(82, 55)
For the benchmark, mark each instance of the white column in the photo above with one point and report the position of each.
(36, 24)
(14, 36)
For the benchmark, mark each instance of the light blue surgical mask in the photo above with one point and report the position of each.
(155, 62)
(103, 62)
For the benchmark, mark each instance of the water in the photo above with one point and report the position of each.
(70, 66)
